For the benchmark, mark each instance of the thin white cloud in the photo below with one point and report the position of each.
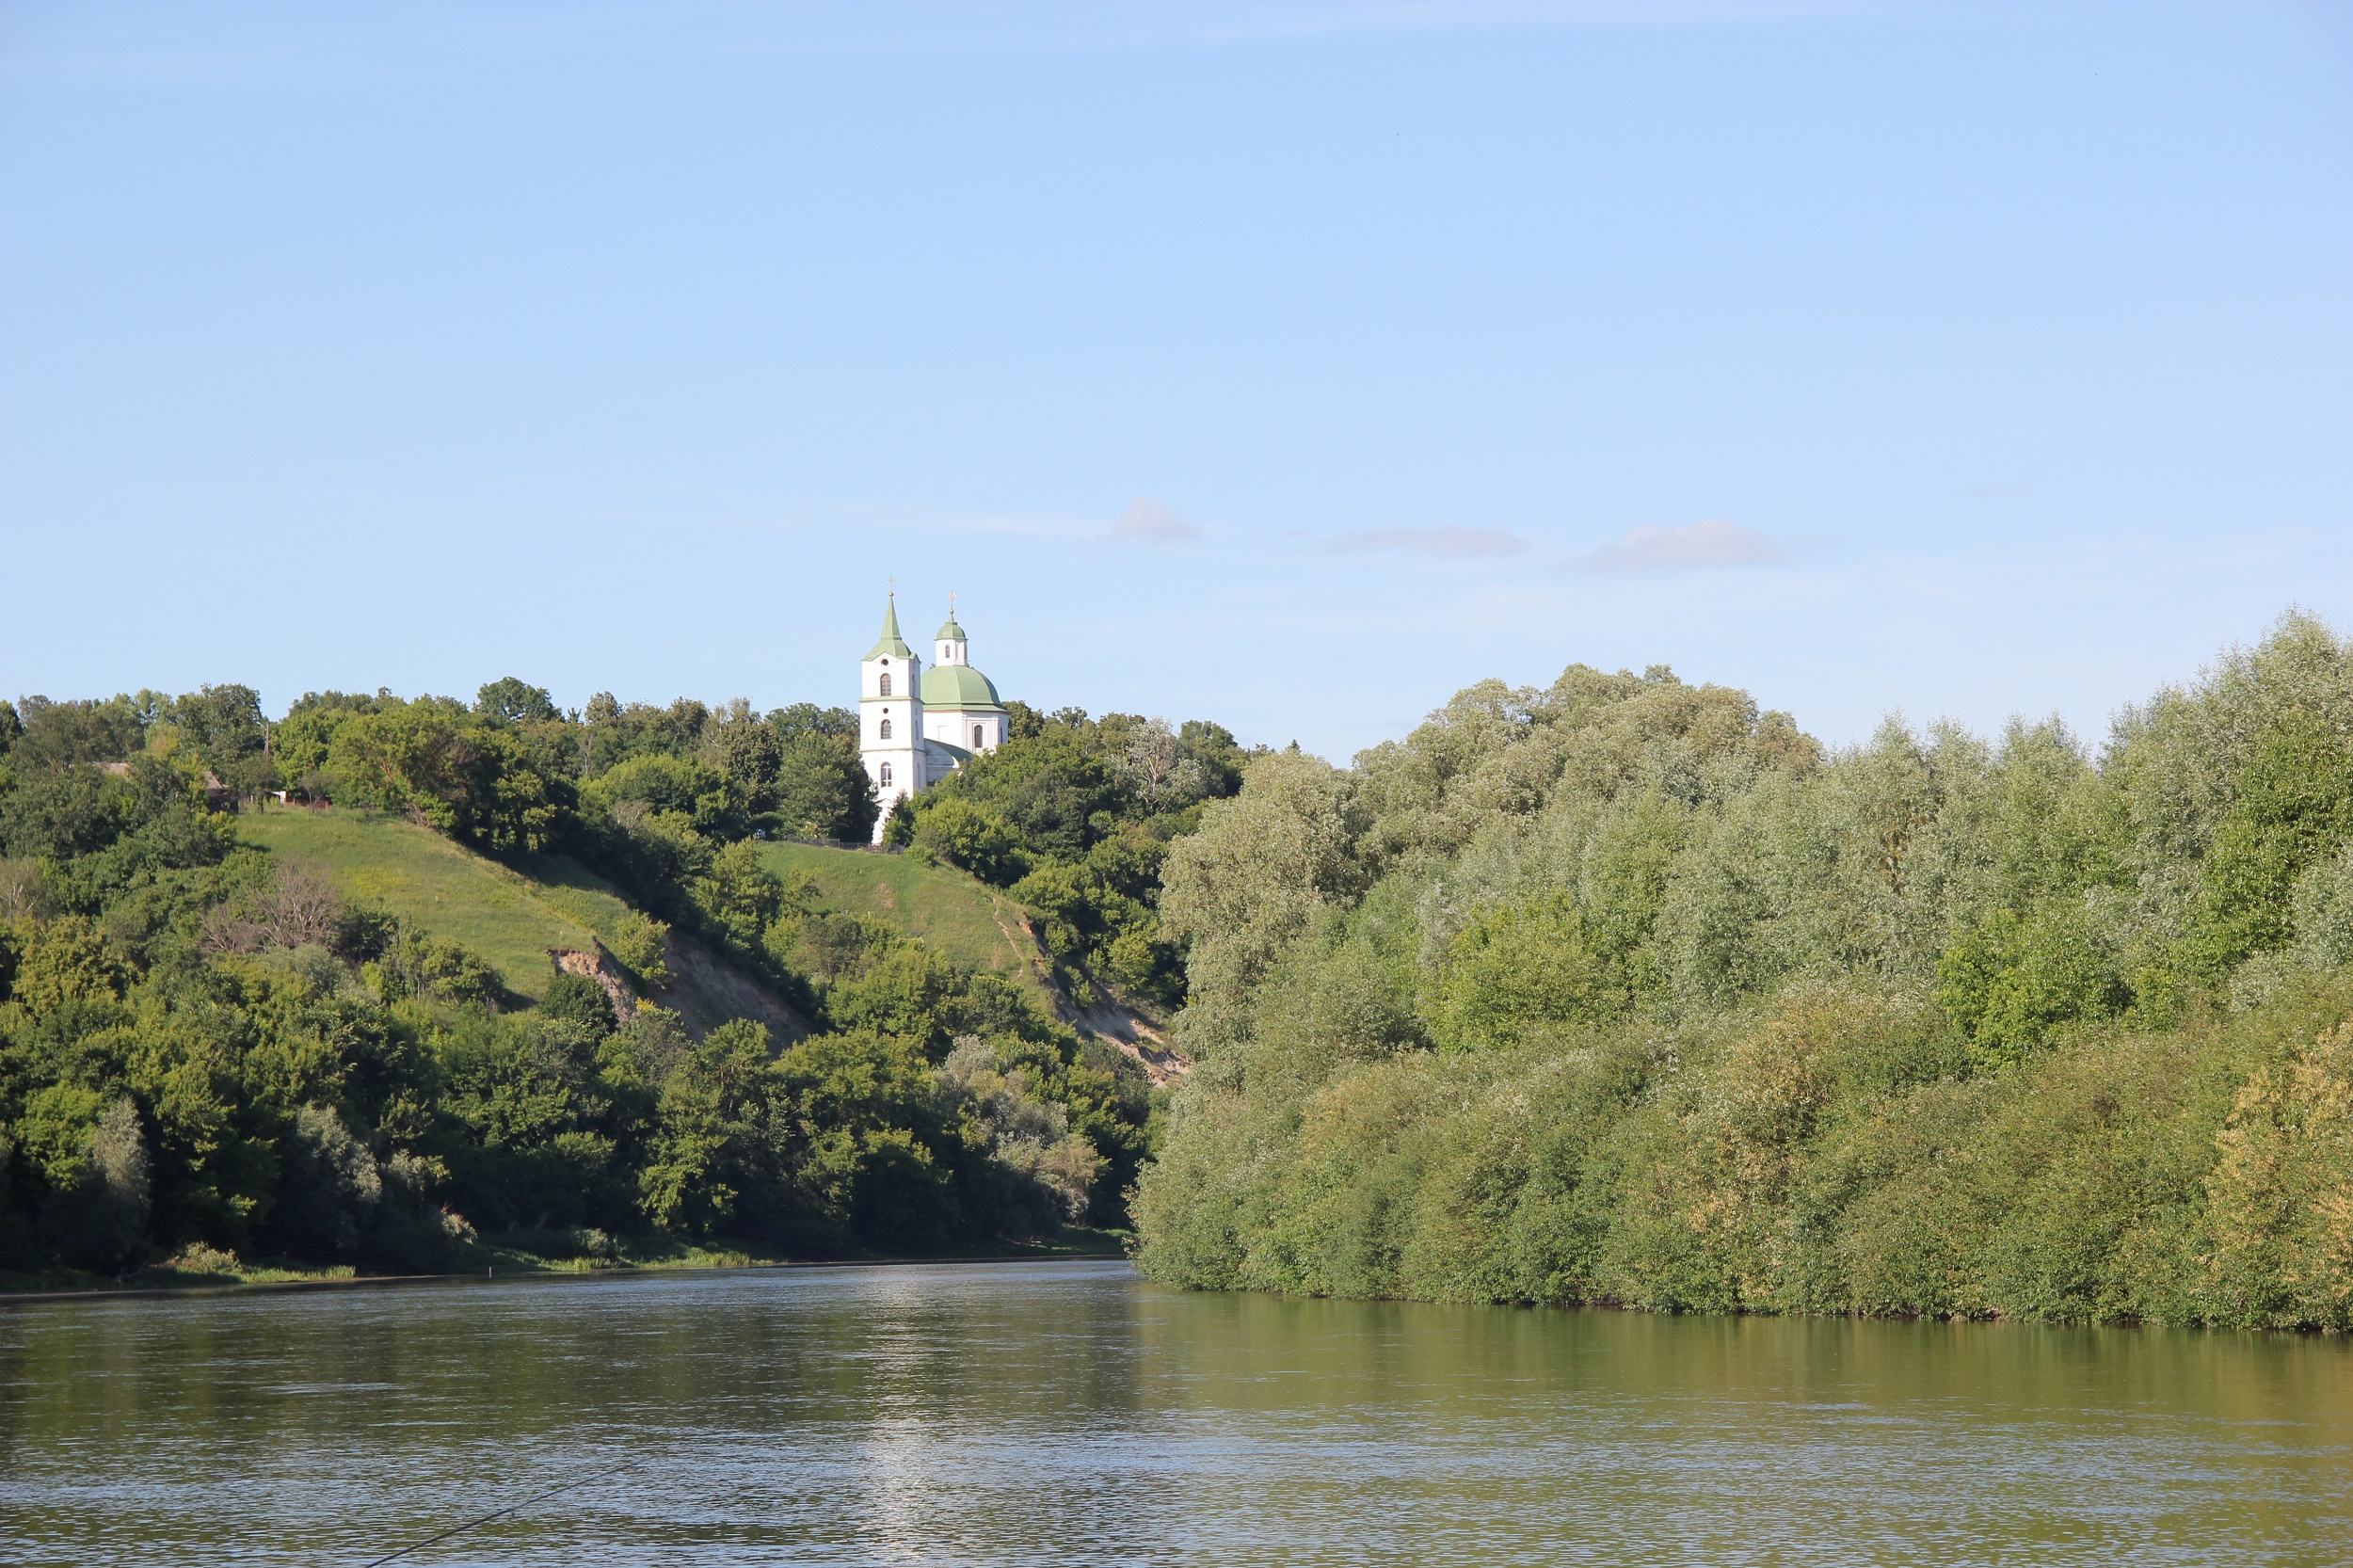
(1147, 522)
(1451, 542)
(1651, 547)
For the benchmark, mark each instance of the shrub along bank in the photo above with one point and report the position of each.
(1623, 991)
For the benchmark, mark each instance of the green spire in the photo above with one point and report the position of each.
(891, 642)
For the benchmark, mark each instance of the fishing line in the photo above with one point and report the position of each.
(495, 1514)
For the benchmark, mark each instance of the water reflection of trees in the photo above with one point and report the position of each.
(1007, 1413)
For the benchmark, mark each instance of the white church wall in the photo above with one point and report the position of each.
(905, 761)
(956, 726)
(889, 695)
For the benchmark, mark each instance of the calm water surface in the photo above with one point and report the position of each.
(1062, 1413)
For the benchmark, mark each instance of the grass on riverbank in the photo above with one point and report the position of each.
(209, 1271)
(526, 1254)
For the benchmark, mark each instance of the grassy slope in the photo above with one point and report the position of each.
(509, 917)
(949, 912)
(513, 916)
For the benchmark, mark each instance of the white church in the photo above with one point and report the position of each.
(918, 725)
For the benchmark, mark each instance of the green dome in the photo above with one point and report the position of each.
(959, 686)
(951, 633)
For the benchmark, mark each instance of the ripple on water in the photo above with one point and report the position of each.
(1071, 1414)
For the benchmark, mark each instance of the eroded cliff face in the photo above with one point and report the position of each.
(703, 991)
(1137, 1035)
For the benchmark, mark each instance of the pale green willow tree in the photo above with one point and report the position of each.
(1623, 991)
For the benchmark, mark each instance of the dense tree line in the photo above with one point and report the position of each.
(1074, 817)
(203, 1051)
(1623, 991)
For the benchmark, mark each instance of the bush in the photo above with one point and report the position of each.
(329, 1187)
(1930, 1026)
(973, 838)
(642, 946)
(97, 1215)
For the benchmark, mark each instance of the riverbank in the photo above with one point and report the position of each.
(508, 1259)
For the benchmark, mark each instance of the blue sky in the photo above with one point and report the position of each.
(1289, 365)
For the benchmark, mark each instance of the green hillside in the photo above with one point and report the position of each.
(847, 1059)
(513, 915)
(509, 917)
(946, 910)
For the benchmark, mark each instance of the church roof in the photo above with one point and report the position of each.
(950, 632)
(891, 642)
(960, 686)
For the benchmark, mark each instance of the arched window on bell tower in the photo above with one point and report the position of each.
(885, 729)
(886, 683)
(886, 776)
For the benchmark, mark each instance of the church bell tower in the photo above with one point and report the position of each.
(891, 716)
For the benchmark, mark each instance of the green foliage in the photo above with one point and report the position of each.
(654, 780)
(972, 837)
(329, 1187)
(2291, 803)
(60, 734)
(97, 1214)
(484, 785)
(1930, 1026)
(1075, 816)
(821, 790)
(204, 1048)
(716, 891)
(62, 962)
(416, 963)
(641, 947)
(1256, 878)
(615, 733)
(795, 772)
(222, 730)
(2010, 981)
(90, 836)
(1037, 1172)
(507, 700)
(1513, 971)
(306, 734)
(735, 892)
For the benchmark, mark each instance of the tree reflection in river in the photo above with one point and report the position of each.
(1068, 1412)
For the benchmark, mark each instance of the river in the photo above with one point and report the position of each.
(1072, 1413)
